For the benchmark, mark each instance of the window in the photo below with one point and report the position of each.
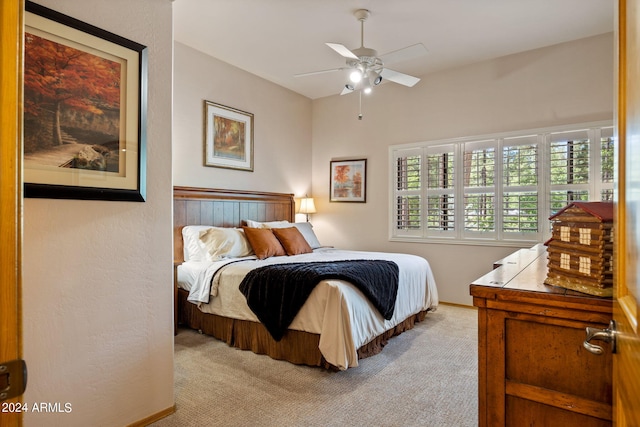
(408, 201)
(606, 164)
(408, 192)
(440, 198)
(479, 188)
(500, 188)
(520, 186)
(569, 168)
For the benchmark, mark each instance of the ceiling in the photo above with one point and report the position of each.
(276, 39)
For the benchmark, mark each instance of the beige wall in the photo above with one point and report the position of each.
(563, 84)
(97, 287)
(282, 126)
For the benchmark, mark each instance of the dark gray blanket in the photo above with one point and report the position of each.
(275, 293)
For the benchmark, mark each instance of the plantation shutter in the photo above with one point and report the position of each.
(440, 190)
(569, 168)
(479, 188)
(520, 187)
(408, 192)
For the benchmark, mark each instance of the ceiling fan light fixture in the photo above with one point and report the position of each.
(366, 87)
(377, 80)
(349, 87)
(355, 76)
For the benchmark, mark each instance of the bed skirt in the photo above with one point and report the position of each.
(298, 347)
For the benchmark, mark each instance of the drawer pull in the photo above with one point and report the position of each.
(608, 335)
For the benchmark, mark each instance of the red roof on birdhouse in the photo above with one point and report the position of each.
(601, 210)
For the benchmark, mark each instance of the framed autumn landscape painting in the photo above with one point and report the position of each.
(348, 181)
(84, 110)
(228, 137)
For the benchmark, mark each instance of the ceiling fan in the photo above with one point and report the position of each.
(367, 68)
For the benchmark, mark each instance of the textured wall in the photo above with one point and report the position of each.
(97, 275)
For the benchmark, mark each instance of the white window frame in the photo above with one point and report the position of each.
(497, 237)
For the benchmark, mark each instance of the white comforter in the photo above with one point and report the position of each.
(339, 312)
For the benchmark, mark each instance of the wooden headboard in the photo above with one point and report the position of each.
(225, 208)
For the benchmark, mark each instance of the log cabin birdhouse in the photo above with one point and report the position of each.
(580, 251)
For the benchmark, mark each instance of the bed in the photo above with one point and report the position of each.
(334, 328)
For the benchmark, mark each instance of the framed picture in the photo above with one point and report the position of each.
(85, 101)
(228, 137)
(348, 181)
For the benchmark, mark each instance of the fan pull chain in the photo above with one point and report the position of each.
(360, 106)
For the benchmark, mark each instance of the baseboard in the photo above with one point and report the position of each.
(153, 418)
(458, 305)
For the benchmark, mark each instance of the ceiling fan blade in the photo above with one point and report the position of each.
(400, 78)
(342, 50)
(312, 73)
(405, 53)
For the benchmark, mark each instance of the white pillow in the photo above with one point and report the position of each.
(225, 243)
(193, 248)
(306, 229)
(270, 224)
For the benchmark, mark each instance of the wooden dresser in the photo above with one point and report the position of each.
(532, 367)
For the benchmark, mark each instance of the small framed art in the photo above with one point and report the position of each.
(348, 181)
(228, 137)
(85, 93)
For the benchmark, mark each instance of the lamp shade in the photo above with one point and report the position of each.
(307, 206)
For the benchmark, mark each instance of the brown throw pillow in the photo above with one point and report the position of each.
(263, 242)
(292, 240)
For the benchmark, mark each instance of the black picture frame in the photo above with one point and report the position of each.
(103, 107)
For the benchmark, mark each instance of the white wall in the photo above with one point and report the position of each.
(282, 126)
(97, 275)
(562, 84)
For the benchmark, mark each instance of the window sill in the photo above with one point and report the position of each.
(467, 242)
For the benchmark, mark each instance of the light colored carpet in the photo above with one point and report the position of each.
(424, 377)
